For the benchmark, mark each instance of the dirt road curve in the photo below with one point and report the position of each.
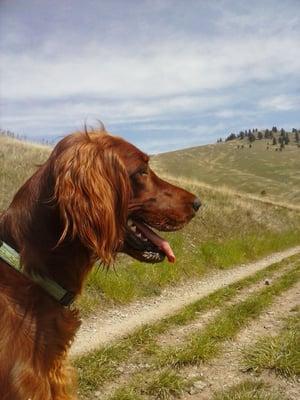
(111, 325)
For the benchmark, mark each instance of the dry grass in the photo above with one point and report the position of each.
(18, 161)
(240, 196)
(279, 353)
(249, 390)
(250, 171)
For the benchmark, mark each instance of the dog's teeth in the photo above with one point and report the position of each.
(139, 235)
(147, 254)
(129, 222)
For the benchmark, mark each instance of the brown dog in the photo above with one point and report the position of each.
(94, 197)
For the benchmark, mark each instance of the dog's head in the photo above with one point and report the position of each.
(154, 203)
(111, 199)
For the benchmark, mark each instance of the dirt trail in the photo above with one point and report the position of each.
(108, 326)
(228, 368)
(177, 334)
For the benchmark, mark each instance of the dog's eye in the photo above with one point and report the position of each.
(143, 172)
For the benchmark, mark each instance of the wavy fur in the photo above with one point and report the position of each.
(72, 211)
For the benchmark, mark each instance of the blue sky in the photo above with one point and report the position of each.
(163, 74)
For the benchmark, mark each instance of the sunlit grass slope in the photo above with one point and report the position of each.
(256, 170)
(18, 161)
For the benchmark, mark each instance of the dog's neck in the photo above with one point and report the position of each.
(33, 228)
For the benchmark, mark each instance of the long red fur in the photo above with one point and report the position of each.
(72, 211)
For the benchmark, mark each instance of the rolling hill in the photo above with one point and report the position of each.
(259, 171)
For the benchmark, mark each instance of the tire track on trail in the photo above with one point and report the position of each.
(105, 327)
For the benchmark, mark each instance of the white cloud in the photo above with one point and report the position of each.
(169, 69)
(209, 67)
(280, 103)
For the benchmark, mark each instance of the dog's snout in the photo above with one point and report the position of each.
(196, 204)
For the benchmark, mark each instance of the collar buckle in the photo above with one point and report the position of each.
(67, 299)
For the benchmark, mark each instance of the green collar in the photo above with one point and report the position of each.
(11, 257)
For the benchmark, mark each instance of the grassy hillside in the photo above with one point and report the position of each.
(229, 229)
(271, 174)
(18, 161)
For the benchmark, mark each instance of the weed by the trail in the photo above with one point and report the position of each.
(100, 366)
(162, 385)
(165, 385)
(97, 367)
(125, 394)
(280, 353)
(248, 390)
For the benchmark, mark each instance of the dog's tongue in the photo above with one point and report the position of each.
(161, 243)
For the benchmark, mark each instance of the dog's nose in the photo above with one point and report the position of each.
(196, 204)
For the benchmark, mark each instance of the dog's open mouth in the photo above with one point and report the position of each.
(145, 244)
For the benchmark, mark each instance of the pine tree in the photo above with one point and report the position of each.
(232, 136)
(251, 137)
(286, 139)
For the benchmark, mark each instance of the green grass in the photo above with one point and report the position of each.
(125, 394)
(204, 345)
(243, 249)
(249, 390)
(164, 385)
(97, 367)
(100, 366)
(135, 280)
(280, 353)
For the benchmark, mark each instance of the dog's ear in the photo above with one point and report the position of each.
(92, 190)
